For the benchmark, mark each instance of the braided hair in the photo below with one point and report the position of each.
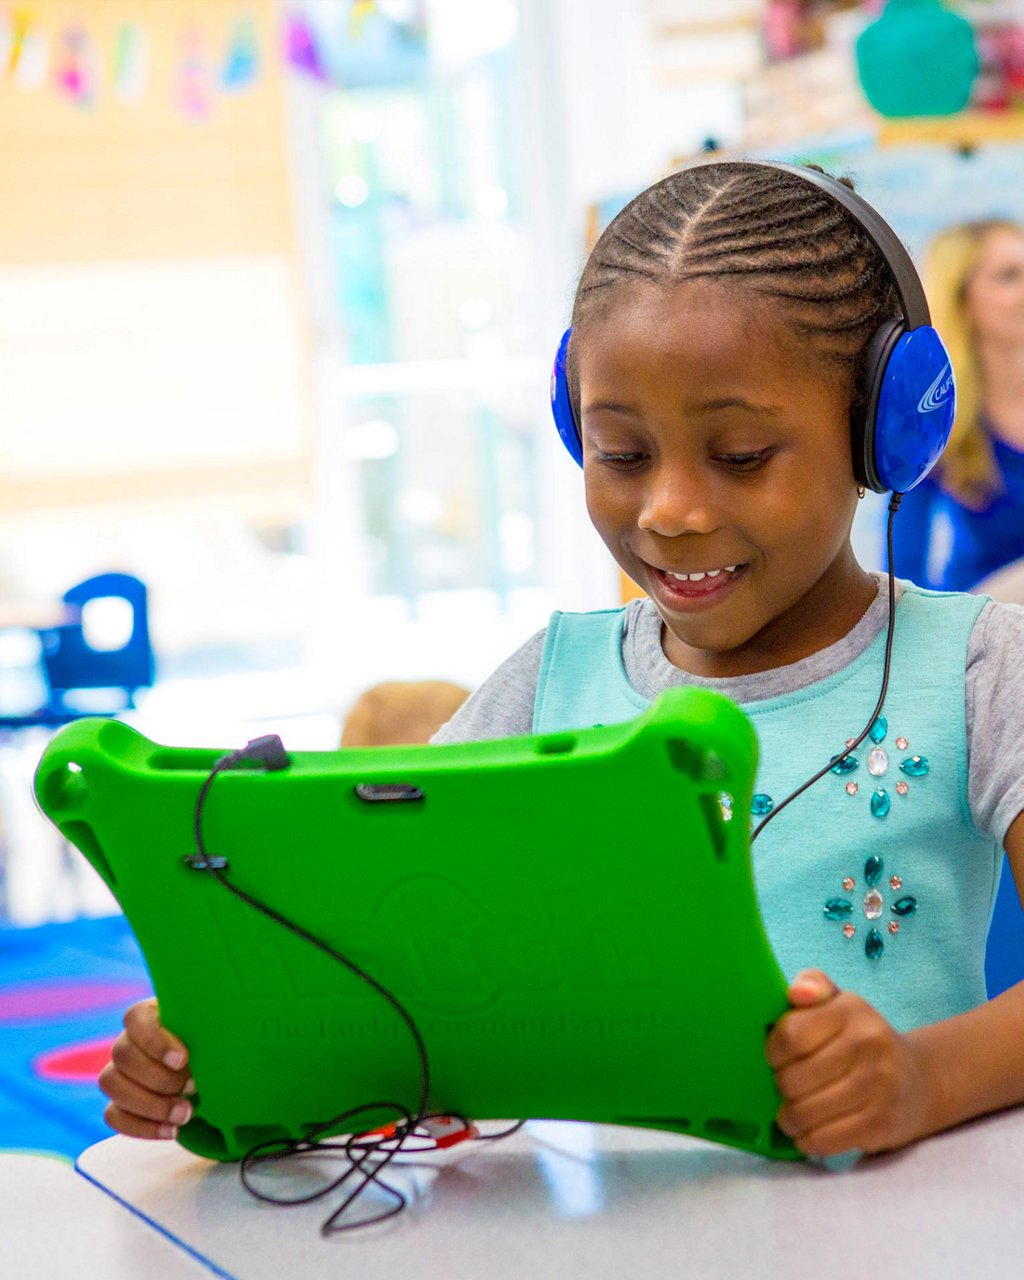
(761, 228)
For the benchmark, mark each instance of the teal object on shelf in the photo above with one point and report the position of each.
(917, 59)
(570, 918)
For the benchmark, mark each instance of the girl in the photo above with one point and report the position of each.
(715, 367)
(968, 521)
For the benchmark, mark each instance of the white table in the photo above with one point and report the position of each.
(577, 1200)
(57, 1226)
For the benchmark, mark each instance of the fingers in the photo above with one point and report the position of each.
(142, 1103)
(816, 1111)
(801, 1032)
(805, 1075)
(135, 1127)
(142, 1023)
(146, 1076)
(811, 986)
(131, 1062)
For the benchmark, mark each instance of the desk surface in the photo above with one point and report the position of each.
(567, 1200)
(56, 1226)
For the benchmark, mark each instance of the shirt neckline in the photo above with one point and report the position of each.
(649, 671)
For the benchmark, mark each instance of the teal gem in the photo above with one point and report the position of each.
(880, 803)
(873, 869)
(761, 804)
(879, 729)
(838, 909)
(846, 765)
(904, 906)
(915, 766)
(873, 944)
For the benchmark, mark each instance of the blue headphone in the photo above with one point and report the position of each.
(910, 394)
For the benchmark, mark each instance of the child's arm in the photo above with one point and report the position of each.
(146, 1077)
(851, 1082)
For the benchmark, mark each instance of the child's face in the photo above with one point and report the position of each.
(713, 438)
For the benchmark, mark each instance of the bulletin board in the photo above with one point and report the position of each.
(123, 136)
(153, 344)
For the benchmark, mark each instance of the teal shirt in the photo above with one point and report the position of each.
(918, 878)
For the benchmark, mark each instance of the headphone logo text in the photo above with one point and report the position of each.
(938, 393)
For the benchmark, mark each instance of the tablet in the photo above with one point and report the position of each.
(570, 919)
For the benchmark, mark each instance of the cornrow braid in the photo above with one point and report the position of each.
(761, 228)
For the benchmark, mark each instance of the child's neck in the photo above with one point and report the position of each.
(829, 611)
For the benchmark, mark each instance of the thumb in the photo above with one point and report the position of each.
(811, 986)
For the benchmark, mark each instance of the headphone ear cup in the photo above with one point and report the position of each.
(864, 432)
(561, 402)
(914, 409)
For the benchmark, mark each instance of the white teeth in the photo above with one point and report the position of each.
(698, 577)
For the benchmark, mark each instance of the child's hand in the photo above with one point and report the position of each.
(146, 1077)
(848, 1079)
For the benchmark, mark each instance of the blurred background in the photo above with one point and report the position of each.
(280, 286)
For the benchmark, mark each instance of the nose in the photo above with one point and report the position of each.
(675, 503)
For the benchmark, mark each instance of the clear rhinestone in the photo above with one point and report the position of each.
(851, 788)
(848, 883)
(873, 904)
(878, 761)
(894, 926)
(901, 788)
(895, 882)
(902, 744)
(849, 930)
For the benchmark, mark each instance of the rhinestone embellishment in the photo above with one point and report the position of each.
(878, 762)
(873, 906)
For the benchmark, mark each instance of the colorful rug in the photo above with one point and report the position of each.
(63, 992)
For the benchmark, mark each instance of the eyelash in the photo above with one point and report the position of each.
(740, 463)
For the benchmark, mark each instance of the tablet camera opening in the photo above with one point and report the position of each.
(387, 792)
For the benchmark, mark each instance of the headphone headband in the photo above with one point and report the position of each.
(877, 230)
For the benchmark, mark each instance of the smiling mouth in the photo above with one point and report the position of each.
(697, 585)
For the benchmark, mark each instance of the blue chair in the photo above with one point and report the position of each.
(1004, 954)
(70, 663)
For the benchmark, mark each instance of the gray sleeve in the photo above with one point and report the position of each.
(994, 707)
(503, 705)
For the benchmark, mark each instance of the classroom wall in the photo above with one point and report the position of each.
(152, 344)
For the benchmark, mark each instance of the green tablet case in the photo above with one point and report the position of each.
(570, 919)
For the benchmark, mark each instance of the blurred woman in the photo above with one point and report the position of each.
(966, 520)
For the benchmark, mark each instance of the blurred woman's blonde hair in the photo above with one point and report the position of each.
(401, 711)
(967, 469)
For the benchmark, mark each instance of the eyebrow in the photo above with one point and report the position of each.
(704, 406)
